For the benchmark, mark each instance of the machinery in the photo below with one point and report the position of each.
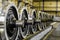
(9, 15)
(18, 19)
(10, 31)
(34, 25)
(45, 18)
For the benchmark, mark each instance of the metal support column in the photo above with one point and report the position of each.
(56, 7)
(43, 6)
(39, 5)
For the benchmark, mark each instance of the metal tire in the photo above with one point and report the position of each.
(24, 28)
(34, 28)
(10, 30)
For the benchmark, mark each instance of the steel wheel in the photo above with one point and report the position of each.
(30, 29)
(24, 28)
(34, 28)
(23, 31)
(39, 27)
(11, 28)
(42, 24)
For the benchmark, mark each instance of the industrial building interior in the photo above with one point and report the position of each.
(29, 19)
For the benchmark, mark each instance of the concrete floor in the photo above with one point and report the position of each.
(55, 35)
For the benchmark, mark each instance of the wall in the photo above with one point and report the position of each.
(49, 6)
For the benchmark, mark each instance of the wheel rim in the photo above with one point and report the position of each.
(34, 28)
(23, 31)
(11, 27)
(39, 27)
(24, 28)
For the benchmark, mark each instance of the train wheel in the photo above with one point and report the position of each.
(45, 25)
(24, 28)
(11, 30)
(30, 29)
(39, 27)
(23, 31)
(34, 28)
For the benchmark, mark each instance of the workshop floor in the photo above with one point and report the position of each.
(55, 35)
